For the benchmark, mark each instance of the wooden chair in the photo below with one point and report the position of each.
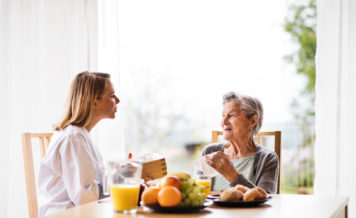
(44, 139)
(277, 147)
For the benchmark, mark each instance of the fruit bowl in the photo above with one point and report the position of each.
(175, 193)
(179, 209)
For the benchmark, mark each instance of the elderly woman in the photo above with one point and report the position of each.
(240, 160)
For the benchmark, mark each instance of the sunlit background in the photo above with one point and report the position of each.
(170, 61)
(178, 58)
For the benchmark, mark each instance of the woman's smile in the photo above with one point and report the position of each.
(227, 129)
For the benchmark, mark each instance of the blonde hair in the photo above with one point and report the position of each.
(85, 88)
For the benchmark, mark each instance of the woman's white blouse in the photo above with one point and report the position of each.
(70, 173)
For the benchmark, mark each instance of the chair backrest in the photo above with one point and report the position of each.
(277, 147)
(44, 139)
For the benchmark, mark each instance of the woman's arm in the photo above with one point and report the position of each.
(267, 173)
(221, 163)
(79, 172)
(226, 167)
(242, 180)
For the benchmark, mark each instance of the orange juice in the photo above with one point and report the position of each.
(124, 197)
(206, 184)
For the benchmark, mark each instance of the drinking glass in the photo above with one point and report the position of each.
(205, 181)
(123, 180)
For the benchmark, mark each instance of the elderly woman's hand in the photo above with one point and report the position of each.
(221, 163)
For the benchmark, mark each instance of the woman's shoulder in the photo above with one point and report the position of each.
(72, 131)
(213, 147)
(265, 152)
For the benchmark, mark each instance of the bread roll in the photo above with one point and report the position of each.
(231, 195)
(263, 193)
(255, 194)
(241, 188)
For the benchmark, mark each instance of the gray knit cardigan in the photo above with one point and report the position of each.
(265, 168)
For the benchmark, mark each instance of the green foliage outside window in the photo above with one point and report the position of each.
(301, 25)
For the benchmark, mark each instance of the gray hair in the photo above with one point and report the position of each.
(249, 106)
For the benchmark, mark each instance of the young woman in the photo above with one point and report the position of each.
(71, 172)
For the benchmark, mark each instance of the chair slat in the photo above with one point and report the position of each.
(42, 147)
(48, 140)
(215, 136)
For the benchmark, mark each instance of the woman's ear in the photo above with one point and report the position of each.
(254, 121)
(95, 103)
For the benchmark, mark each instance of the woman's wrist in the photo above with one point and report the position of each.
(232, 176)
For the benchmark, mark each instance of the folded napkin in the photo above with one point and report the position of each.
(203, 168)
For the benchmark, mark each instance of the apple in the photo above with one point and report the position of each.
(171, 181)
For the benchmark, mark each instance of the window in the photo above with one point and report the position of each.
(177, 59)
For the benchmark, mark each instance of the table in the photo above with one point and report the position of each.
(281, 205)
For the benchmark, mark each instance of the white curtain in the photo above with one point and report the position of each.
(43, 44)
(110, 134)
(335, 149)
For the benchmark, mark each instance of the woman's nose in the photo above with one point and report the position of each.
(224, 120)
(117, 100)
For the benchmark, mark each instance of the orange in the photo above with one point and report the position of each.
(169, 196)
(149, 196)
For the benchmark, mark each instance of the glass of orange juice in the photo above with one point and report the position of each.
(124, 177)
(205, 181)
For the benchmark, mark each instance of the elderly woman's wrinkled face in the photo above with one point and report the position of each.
(234, 122)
